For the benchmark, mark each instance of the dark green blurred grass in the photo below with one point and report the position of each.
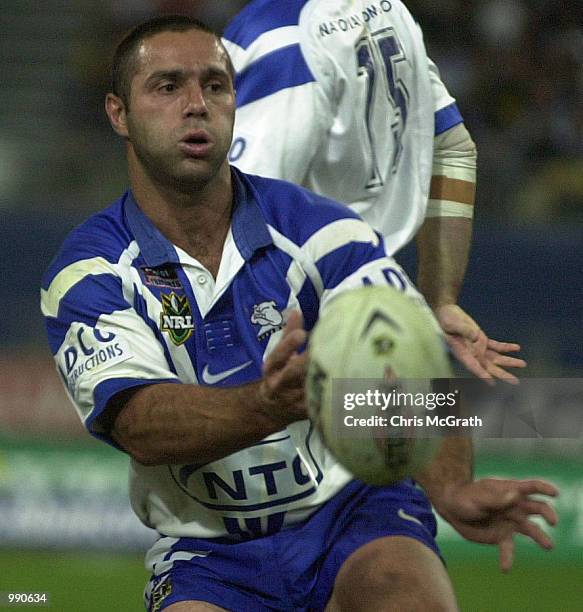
(105, 582)
(76, 582)
(530, 587)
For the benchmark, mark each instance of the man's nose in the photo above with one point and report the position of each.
(195, 103)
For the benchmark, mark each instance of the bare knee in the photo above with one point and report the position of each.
(392, 574)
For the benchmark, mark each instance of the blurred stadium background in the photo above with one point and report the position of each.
(516, 68)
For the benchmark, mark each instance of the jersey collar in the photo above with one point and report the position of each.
(250, 231)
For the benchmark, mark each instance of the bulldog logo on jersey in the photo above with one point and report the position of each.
(268, 317)
(176, 317)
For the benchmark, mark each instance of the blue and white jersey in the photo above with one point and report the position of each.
(340, 96)
(125, 307)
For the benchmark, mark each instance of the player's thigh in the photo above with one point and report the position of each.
(393, 573)
(193, 606)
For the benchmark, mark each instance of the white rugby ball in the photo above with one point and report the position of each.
(378, 333)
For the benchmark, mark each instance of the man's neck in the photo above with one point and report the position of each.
(198, 221)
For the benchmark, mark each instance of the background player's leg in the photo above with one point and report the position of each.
(193, 606)
(392, 574)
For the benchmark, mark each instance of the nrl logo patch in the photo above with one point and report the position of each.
(268, 317)
(176, 317)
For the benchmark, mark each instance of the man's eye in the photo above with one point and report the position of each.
(215, 87)
(167, 87)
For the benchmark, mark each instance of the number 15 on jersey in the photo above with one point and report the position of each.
(379, 54)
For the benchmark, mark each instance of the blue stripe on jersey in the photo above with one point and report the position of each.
(85, 302)
(81, 243)
(295, 212)
(262, 16)
(278, 70)
(447, 118)
(342, 262)
(56, 333)
(142, 310)
(308, 299)
(104, 391)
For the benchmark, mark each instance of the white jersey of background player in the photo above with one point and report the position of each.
(340, 96)
(346, 103)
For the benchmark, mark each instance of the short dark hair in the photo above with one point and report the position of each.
(124, 59)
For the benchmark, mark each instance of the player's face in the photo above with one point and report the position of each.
(181, 108)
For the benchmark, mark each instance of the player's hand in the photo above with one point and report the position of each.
(284, 373)
(493, 510)
(482, 356)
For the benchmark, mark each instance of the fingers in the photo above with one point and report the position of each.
(294, 336)
(531, 507)
(495, 361)
(503, 347)
(502, 374)
(505, 361)
(293, 374)
(536, 534)
(499, 495)
(506, 553)
(528, 529)
(535, 486)
(495, 364)
(516, 505)
(283, 351)
(474, 367)
(526, 486)
(495, 496)
(485, 365)
(466, 357)
(284, 372)
(294, 321)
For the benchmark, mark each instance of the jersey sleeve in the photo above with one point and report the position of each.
(346, 254)
(349, 254)
(100, 343)
(447, 114)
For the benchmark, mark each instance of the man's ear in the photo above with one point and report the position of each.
(117, 113)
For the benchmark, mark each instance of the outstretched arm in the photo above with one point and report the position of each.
(169, 423)
(490, 510)
(443, 244)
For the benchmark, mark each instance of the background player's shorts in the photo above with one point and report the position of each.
(293, 570)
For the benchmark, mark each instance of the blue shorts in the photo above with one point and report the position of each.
(293, 570)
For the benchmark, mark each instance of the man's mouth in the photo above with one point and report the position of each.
(196, 144)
